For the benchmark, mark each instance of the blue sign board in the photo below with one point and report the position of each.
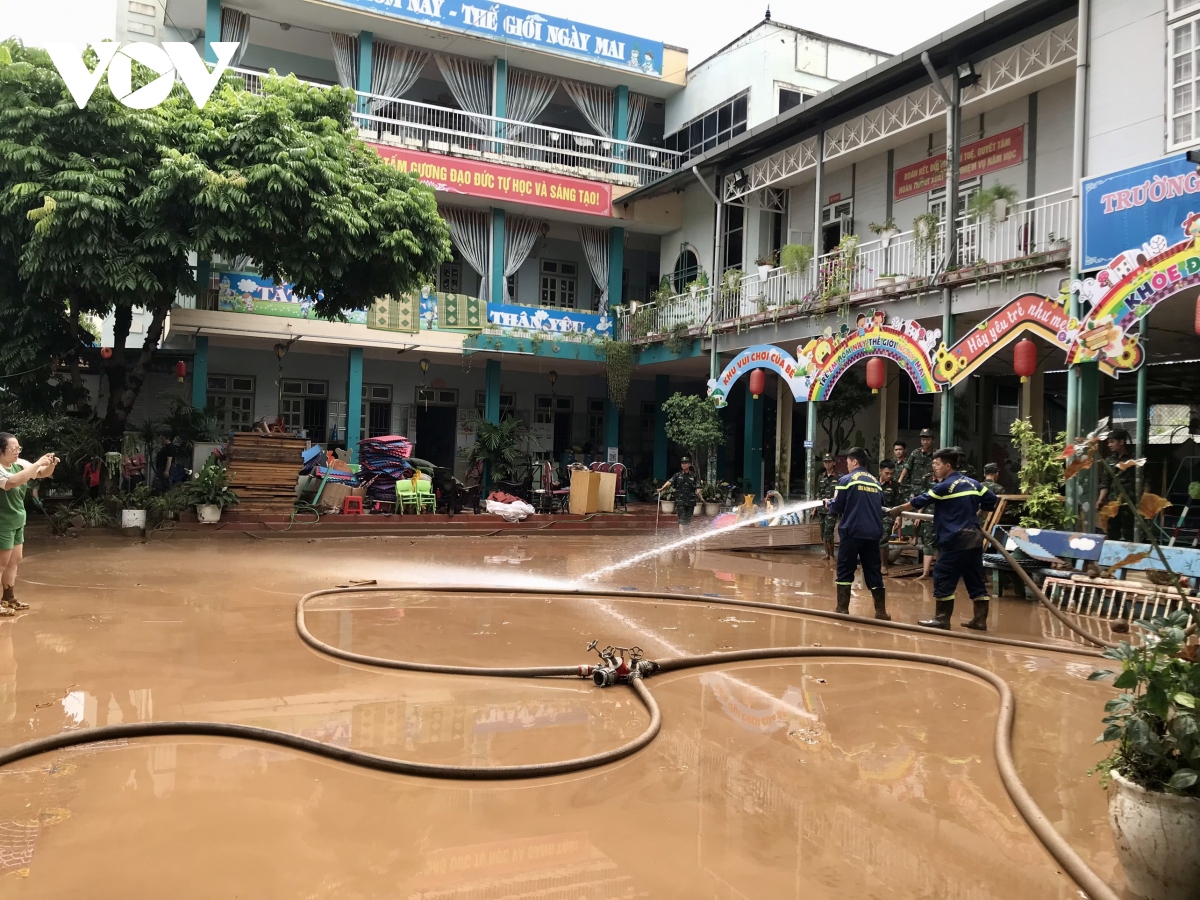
(550, 321)
(246, 293)
(1124, 210)
(500, 22)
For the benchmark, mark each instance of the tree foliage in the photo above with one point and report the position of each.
(849, 397)
(694, 423)
(100, 208)
(1041, 477)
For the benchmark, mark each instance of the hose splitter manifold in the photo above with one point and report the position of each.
(616, 669)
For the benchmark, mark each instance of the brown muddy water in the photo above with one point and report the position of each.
(801, 780)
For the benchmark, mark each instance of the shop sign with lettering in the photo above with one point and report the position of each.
(510, 24)
(454, 175)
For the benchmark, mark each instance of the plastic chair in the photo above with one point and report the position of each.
(406, 496)
(426, 499)
(621, 496)
(352, 506)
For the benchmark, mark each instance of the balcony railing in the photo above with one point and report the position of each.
(1034, 227)
(439, 129)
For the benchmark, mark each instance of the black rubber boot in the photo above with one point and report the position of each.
(880, 595)
(979, 622)
(843, 599)
(941, 615)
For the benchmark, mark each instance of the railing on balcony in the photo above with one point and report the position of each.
(439, 129)
(1033, 227)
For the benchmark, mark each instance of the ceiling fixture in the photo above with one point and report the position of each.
(967, 75)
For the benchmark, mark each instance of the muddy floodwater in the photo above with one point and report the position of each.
(804, 779)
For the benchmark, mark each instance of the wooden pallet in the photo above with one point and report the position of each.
(263, 469)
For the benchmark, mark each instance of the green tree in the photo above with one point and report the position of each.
(101, 207)
(694, 423)
(1041, 478)
(836, 415)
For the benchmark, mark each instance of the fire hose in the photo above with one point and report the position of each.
(633, 673)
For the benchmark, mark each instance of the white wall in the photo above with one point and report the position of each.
(698, 218)
(1055, 137)
(763, 59)
(1127, 84)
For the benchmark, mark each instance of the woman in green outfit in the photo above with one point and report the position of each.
(15, 475)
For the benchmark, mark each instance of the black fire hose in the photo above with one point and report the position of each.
(1054, 843)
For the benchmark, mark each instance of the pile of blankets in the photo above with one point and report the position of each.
(384, 461)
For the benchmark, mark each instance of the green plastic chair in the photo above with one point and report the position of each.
(406, 496)
(425, 496)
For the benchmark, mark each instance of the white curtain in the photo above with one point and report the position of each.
(528, 95)
(471, 233)
(596, 103)
(394, 70)
(520, 234)
(595, 248)
(637, 116)
(235, 26)
(470, 81)
(345, 59)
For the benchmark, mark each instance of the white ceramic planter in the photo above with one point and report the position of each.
(133, 518)
(885, 238)
(712, 509)
(885, 281)
(1158, 840)
(668, 506)
(208, 514)
(1000, 210)
(698, 509)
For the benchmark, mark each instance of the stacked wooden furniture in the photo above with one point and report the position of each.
(263, 470)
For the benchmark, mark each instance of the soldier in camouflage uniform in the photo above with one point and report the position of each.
(894, 494)
(917, 477)
(826, 484)
(991, 479)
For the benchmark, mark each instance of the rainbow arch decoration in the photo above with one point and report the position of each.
(897, 341)
(818, 364)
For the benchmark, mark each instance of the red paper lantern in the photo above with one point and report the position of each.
(876, 373)
(1025, 358)
(758, 382)
(106, 352)
(180, 370)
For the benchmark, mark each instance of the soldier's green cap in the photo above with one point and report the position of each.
(685, 459)
(927, 432)
(828, 457)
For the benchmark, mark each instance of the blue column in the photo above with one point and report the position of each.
(200, 373)
(612, 426)
(500, 89)
(662, 392)
(752, 445)
(616, 266)
(497, 274)
(212, 29)
(366, 40)
(354, 376)
(620, 121)
(491, 399)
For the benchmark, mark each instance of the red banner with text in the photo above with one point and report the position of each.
(977, 158)
(454, 175)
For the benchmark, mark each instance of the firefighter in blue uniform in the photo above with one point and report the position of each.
(858, 500)
(956, 501)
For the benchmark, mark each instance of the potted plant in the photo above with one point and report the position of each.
(992, 204)
(699, 282)
(209, 493)
(765, 265)
(925, 228)
(796, 257)
(1153, 772)
(886, 231)
(666, 500)
(134, 504)
(886, 280)
(713, 497)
